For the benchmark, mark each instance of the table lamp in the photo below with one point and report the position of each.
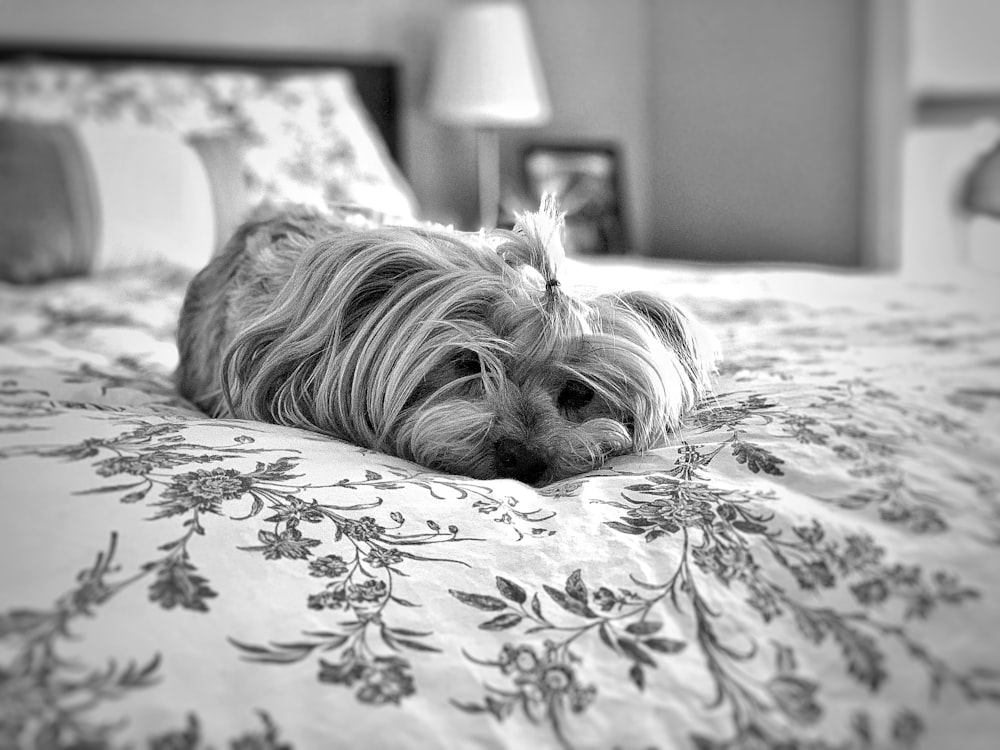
(486, 76)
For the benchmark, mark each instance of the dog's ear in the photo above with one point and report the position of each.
(696, 347)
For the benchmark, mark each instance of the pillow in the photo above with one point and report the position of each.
(82, 198)
(307, 136)
(154, 195)
(47, 212)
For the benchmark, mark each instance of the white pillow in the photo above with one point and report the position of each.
(154, 197)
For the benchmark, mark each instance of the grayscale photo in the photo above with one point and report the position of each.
(499, 374)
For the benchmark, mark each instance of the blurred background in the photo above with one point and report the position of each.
(844, 132)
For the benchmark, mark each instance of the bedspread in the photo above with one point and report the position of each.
(814, 563)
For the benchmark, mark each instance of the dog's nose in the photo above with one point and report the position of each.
(516, 461)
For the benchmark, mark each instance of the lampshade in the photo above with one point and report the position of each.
(487, 72)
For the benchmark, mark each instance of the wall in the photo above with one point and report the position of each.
(757, 129)
(739, 122)
(956, 45)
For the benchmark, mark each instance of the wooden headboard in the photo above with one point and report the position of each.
(376, 78)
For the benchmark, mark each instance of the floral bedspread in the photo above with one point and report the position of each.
(815, 564)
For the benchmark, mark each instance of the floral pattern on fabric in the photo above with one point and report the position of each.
(812, 564)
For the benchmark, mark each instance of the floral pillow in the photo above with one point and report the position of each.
(306, 135)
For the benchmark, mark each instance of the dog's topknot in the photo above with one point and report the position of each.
(537, 242)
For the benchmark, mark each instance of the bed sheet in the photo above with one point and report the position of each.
(813, 563)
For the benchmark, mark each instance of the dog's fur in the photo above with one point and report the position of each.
(458, 351)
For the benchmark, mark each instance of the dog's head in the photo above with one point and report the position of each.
(464, 352)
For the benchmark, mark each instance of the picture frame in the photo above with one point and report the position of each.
(586, 178)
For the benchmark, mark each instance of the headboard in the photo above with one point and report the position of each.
(376, 78)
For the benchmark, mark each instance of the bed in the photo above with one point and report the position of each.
(812, 563)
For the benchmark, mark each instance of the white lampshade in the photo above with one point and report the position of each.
(487, 72)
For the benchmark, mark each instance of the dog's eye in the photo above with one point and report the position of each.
(467, 364)
(575, 395)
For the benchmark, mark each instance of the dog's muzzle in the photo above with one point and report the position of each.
(515, 460)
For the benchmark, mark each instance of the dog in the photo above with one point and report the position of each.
(459, 351)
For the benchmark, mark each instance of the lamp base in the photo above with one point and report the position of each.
(488, 169)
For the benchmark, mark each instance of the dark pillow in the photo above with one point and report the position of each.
(48, 211)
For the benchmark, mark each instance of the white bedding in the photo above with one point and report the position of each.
(813, 564)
